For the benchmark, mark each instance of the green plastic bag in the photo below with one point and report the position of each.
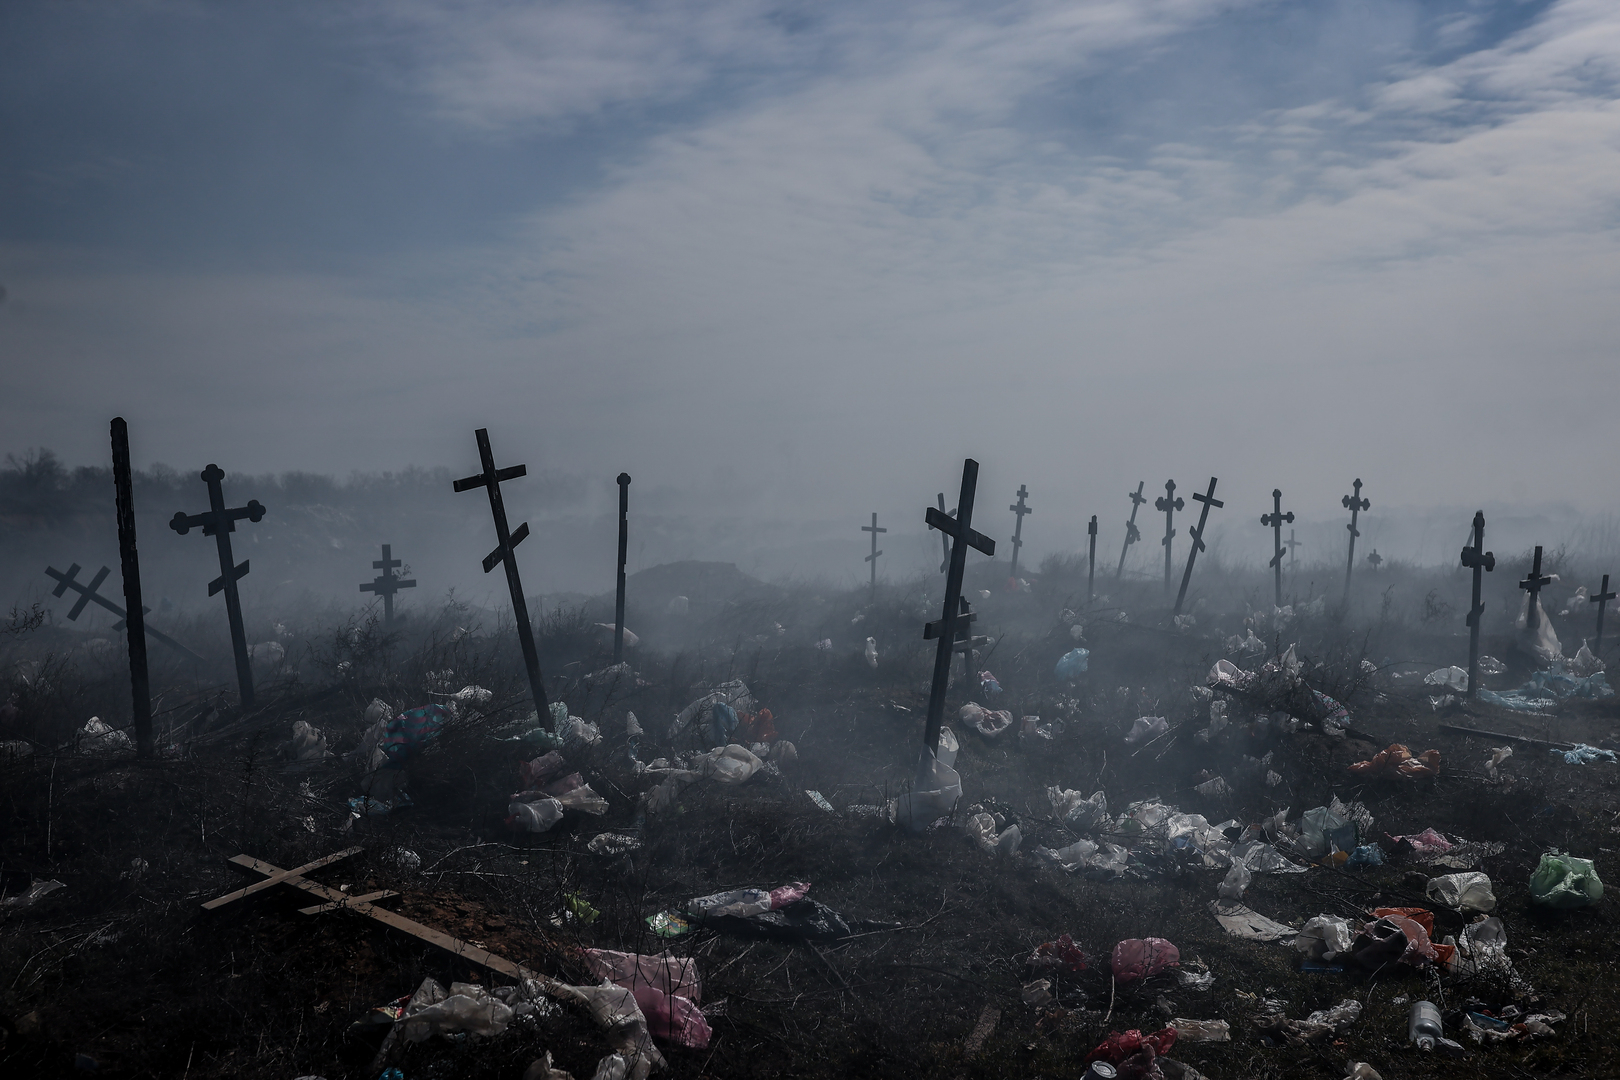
(1563, 881)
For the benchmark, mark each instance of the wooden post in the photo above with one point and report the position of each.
(1533, 585)
(1021, 510)
(1274, 521)
(1478, 560)
(140, 686)
(219, 523)
(1132, 534)
(1197, 534)
(624, 548)
(952, 620)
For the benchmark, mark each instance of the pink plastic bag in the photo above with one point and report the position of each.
(1141, 958)
(531, 774)
(666, 988)
(790, 893)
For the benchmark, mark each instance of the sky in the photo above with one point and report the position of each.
(802, 258)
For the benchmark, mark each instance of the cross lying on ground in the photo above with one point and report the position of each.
(89, 595)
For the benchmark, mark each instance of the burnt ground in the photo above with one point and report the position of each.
(123, 974)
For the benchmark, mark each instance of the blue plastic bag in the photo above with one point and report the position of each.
(1073, 664)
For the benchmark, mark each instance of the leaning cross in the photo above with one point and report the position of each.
(491, 479)
(386, 584)
(1477, 559)
(1091, 560)
(1018, 528)
(1293, 556)
(1169, 504)
(1131, 533)
(219, 523)
(88, 594)
(1532, 585)
(1355, 504)
(952, 622)
(872, 558)
(1274, 521)
(1197, 535)
(1602, 601)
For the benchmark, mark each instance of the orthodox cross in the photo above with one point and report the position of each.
(1131, 533)
(872, 558)
(386, 584)
(1197, 535)
(1602, 601)
(1532, 585)
(490, 480)
(952, 621)
(1169, 504)
(1274, 522)
(1375, 559)
(219, 523)
(1018, 529)
(1477, 559)
(1355, 504)
(140, 686)
(1292, 544)
(89, 595)
(624, 548)
(1091, 559)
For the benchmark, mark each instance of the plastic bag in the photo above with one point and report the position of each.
(1452, 678)
(1073, 664)
(1193, 1031)
(1466, 892)
(535, 817)
(1397, 761)
(936, 795)
(1147, 727)
(1078, 812)
(982, 827)
(1237, 879)
(1062, 954)
(1141, 958)
(666, 988)
(1322, 831)
(1324, 937)
(1563, 881)
(97, 737)
(467, 1007)
(730, 764)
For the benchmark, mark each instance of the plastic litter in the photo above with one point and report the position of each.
(1188, 979)
(614, 1008)
(1196, 1031)
(536, 817)
(1241, 921)
(1360, 1070)
(982, 827)
(667, 989)
(1583, 754)
(466, 1007)
(669, 924)
(988, 685)
(1324, 937)
(819, 799)
(1147, 727)
(1037, 993)
(97, 737)
(1119, 1045)
(742, 903)
(1316, 1027)
(1499, 754)
(1078, 812)
(1135, 959)
(734, 694)
(611, 843)
(1321, 832)
(1398, 762)
(1452, 678)
(1466, 892)
(1100, 860)
(1073, 664)
(986, 722)
(1237, 880)
(308, 744)
(1366, 855)
(1563, 881)
(1060, 955)
(1397, 935)
(936, 795)
(1423, 1025)
(36, 891)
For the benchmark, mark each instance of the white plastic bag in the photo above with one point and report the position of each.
(536, 817)
(1147, 727)
(1324, 937)
(97, 737)
(1465, 892)
(935, 796)
(467, 1007)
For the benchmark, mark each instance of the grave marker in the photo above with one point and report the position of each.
(872, 558)
(1602, 601)
(953, 620)
(1091, 560)
(1293, 558)
(624, 548)
(490, 480)
(1375, 560)
(1169, 504)
(219, 523)
(386, 584)
(1477, 559)
(1197, 535)
(1533, 585)
(1131, 533)
(944, 541)
(140, 686)
(1355, 504)
(1018, 529)
(88, 594)
(1274, 521)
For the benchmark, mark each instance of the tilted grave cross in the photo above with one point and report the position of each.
(1355, 504)
(1169, 504)
(89, 595)
(1533, 585)
(1293, 556)
(1197, 535)
(1018, 529)
(1274, 522)
(873, 558)
(386, 584)
(1091, 559)
(1132, 535)
(624, 549)
(140, 686)
(219, 523)
(490, 480)
(1375, 560)
(953, 621)
(1477, 559)
(1602, 601)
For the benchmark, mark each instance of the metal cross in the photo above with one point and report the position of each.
(1355, 504)
(386, 584)
(219, 523)
(1532, 585)
(624, 549)
(1197, 535)
(1131, 533)
(1018, 529)
(1477, 559)
(872, 558)
(1274, 522)
(89, 595)
(490, 480)
(953, 621)
(1091, 559)
(1602, 601)
(140, 684)
(1169, 504)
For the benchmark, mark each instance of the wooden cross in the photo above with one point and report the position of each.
(953, 621)
(1021, 510)
(1169, 504)
(88, 594)
(1274, 522)
(1197, 535)
(1375, 559)
(1477, 559)
(872, 558)
(1532, 585)
(966, 641)
(140, 685)
(219, 523)
(1131, 533)
(386, 584)
(624, 550)
(1292, 544)
(1091, 559)
(1602, 601)
(1355, 504)
(944, 540)
(490, 480)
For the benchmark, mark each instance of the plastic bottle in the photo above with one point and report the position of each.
(1424, 1026)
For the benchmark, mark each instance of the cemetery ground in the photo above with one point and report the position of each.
(121, 973)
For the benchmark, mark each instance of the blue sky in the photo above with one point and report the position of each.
(816, 253)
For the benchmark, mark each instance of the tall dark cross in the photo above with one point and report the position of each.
(386, 584)
(490, 480)
(944, 540)
(1091, 559)
(1132, 535)
(1355, 504)
(140, 685)
(1602, 601)
(1293, 556)
(953, 622)
(624, 549)
(1274, 522)
(89, 595)
(873, 558)
(1018, 528)
(1169, 504)
(219, 523)
(1533, 585)
(1477, 559)
(1197, 535)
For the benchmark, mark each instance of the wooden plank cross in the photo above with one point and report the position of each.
(1274, 522)
(952, 621)
(140, 685)
(1533, 585)
(1355, 504)
(1601, 599)
(1293, 556)
(1375, 560)
(1477, 559)
(1169, 504)
(1021, 510)
(1091, 559)
(624, 551)
(88, 594)
(219, 523)
(386, 584)
(872, 558)
(505, 541)
(1132, 534)
(1197, 534)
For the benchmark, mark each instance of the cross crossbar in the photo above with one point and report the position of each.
(1533, 585)
(1197, 533)
(1602, 601)
(949, 526)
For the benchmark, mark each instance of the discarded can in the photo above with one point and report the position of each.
(1101, 1070)
(1424, 1027)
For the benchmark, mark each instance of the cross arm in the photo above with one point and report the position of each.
(493, 559)
(951, 527)
(511, 472)
(949, 626)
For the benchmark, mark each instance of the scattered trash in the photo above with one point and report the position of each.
(1073, 664)
(1135, 959)
(1397, 935)
(1196, 1031)
(1242, 921)
(785, 914)
(667, 989)
(1120, 1045)
(1452, 678)
(1482, 950)
(1432, 848)
(389, 745)
(1583, 754)
(1563, 881)
(817, 798)
(678, 605)
(982, 827)
(1038, 993)
(1060, 955)
(1147, 727)
(1366, 855)
(1322, 832)
(96, 737)
(36, 891)
(1237, 880)
(1423, 1025)
(1188, 979)
(1077, 812)
(936, 795)
(988, 686)
(466, 1007)
(1316, 1027)
(741, 903)
(1360, 1070)
(1466, 892)
(610, 843)
(536, 817)
(733, 694)
(986, 722)
(1499, 754)
(1397, 761)
(871, 653)
(1214, 788)
(668, 924)
(1324, 937)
